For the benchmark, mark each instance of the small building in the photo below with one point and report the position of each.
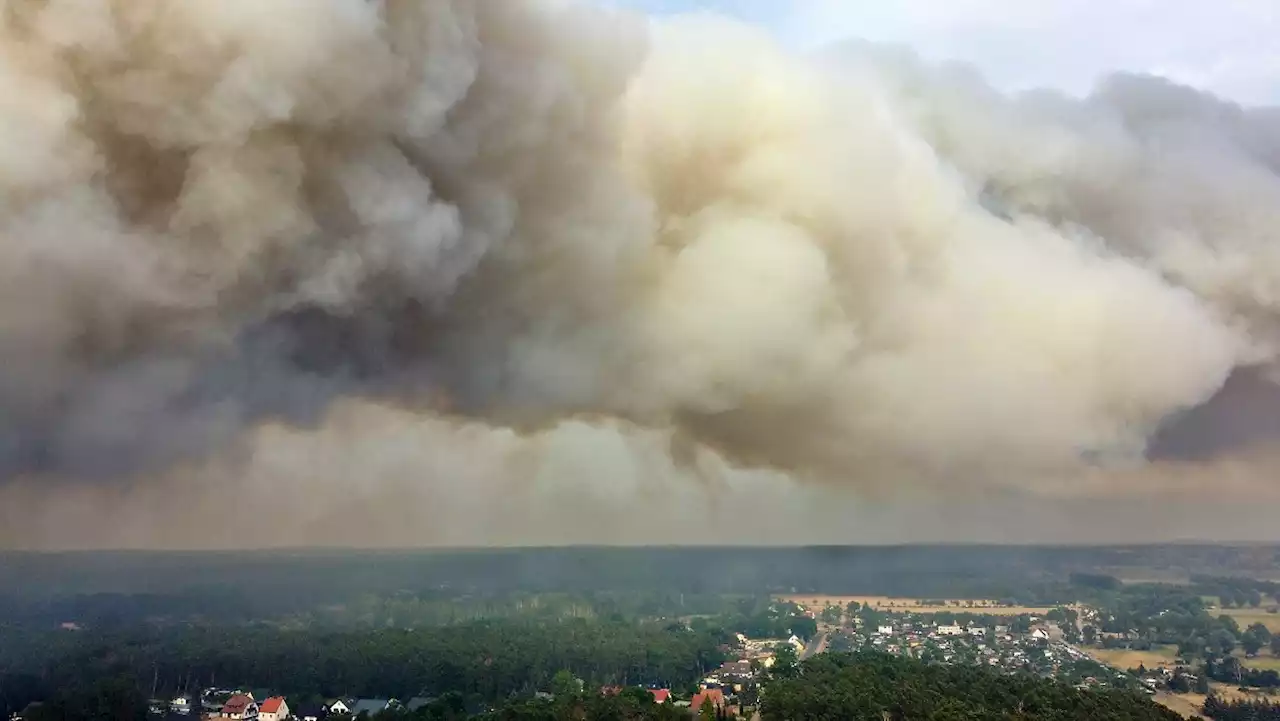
(950, 631)
(273, 709)
(240, 707)
(660, 695)
(885, 630)
(312, 713)
(181, 705)
(341, 707)
(713, 695)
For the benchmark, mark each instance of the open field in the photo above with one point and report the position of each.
(1263, 662)
(819, 601)
(1247, 616)
(1189, 704)
(1124, 659)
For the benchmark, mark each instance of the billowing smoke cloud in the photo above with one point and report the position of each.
(466, 260)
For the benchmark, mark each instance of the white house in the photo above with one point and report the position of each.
(950, 631)
(181, 705)
(1039, 634)
(273, 709)
(339, 707)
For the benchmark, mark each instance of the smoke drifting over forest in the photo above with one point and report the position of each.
(447, 265)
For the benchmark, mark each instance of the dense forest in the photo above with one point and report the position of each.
(874, 687)
(266, 583)
(832, 687)
(485, 629)
(485, 659)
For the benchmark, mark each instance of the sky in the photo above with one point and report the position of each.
(462, 273)
(1224, 46)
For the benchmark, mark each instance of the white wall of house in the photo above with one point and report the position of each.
(280, 715)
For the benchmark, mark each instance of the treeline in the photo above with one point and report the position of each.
(878, 687)
(274, 583)
(487, 660)
(760, 618)
(1232, 591)
(1151, 614)
(1239, 710)
(1231, 670)
(104, 611)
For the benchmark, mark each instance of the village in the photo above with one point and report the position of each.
(729, 691)
(1034, 646)
(1022, 644)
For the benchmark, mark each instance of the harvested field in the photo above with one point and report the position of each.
(966, 605)
(1189, 704)
(1247, 616)
(1264, 662)
(1124, 658)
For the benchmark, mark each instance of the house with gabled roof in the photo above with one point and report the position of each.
(273, 709)
(240, 707)
(713, 695)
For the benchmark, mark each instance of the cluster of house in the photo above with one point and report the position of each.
(719, 697)
(731, 686)
(1161, 677)
(995, 646)
(240, 705)
(762, 650)
(660, 695)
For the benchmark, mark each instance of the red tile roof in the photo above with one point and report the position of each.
(660, 695)
(715, 695)
(236, 704)
(271, 705)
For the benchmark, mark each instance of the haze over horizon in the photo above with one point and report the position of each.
(392, 273)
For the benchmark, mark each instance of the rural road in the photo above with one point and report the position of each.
(818, 646)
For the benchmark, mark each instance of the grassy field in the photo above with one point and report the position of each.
(1123, 658)
(1262, 663)
(817, 602)
(1247, 616)
(1189, 704)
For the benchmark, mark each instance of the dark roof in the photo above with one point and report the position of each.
(236, 704)
(312, 709)
(418, 702)
(370, 706)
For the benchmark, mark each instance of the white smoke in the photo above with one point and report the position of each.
(503, 264)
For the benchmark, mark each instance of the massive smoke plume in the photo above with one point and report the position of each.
(443, 255)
